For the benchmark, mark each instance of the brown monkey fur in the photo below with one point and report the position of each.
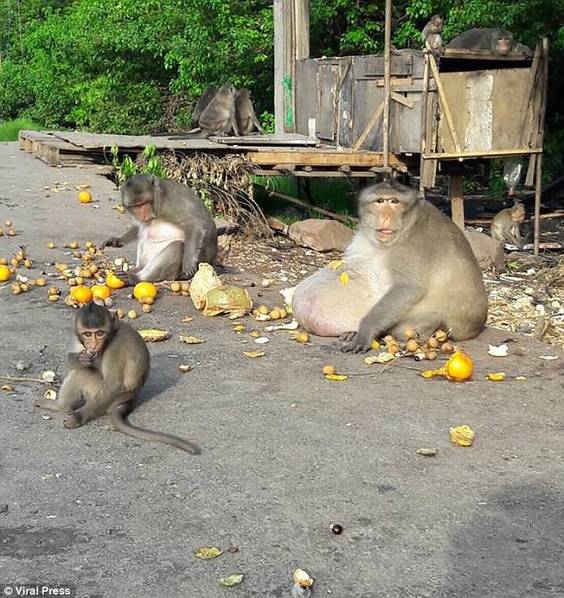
(408, 266)
(245, 113)
(431, 34)
(497, 41)
(218, 118)
(108, 365)
(505, 225)
(174, 229)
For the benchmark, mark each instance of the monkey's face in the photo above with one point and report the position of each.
(142, 212)
(383, 218)
(437, 24)
(504, 43)
(93, 340)
(518, 214)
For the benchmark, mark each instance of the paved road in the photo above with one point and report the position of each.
(285, 453)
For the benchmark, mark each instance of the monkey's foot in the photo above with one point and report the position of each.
(72, 420)
(355, 342)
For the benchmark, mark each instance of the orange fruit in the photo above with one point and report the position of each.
(459, 367)
(114, 282)
(143, 290)
(4, 273)
(81, 294)
(101, 291)
(85, 197)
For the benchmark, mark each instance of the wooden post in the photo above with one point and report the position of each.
(291, 43)
(387, 59)
(424, 100)
(456, 196)
(538, 192)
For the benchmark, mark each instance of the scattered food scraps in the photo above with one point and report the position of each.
(261, 340)
(382, 357)
(254, 354)
(336, 377)
(498, 350)
(427, 452)
(293, 325)
(151, 335)
(496, 376)
(344, 278)
(462, 435)
(7, 388)
(231, 580)
(185, 367)
(459, 367)
(208, 552)
(191, 340)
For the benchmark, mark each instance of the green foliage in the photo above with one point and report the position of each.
(150, 163)
(9, 130)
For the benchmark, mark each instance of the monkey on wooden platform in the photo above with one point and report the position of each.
(108, 365)
(174, 230)
(408, 266)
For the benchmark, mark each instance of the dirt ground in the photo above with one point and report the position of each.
(285, 452)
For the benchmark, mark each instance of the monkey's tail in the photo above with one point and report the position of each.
(118, 416)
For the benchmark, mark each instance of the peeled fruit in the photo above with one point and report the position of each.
(447, 348)
(203, 282)
(302, 337)
(433, 343)
(175, 287)
(462, 435)
(409, 333)
(40, 282)
(459, 367)
(3, 261)
(73, 245)
(119, 313)
(51, 245)
(114, 282)
(84, 197)
(147, 300)
(101, 291)
(4, 273)
(11, 232)
(8, 222)
(81, 294)
(328, 370)
(146, 308)
(132, 314)
(144, 289)
(54, 291)
(412, 345)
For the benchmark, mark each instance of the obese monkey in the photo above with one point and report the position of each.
(108, 365)
(431, 35)
(497, 41)
(408, 266)
(218, 118)
(174, 230)
(505, 225)
(245, 113)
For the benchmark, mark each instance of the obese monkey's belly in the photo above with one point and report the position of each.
(155, 237)
(325, 306)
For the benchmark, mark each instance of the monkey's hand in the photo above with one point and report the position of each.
(356, 342)
(86, 358)
(112, 242)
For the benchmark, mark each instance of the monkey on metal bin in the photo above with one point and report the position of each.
(431, 35)
(505, 225)
(174, 230)
(497, 41)
(408, 266)
(108, 365)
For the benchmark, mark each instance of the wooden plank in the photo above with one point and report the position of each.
(373, 120)
(387, 76)
(279, 66)
(444, 102)
(322, 158)
(482, 55)
(489, 154)
(456, 196)
(266, 140)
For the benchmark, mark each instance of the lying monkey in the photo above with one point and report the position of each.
(108, 365)
(497, 41)
(408, 266)
(505, 225)
(174, 229)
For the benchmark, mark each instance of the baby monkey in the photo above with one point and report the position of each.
(505, 225)
(108, 365)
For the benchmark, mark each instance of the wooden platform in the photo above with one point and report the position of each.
(288, 154)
